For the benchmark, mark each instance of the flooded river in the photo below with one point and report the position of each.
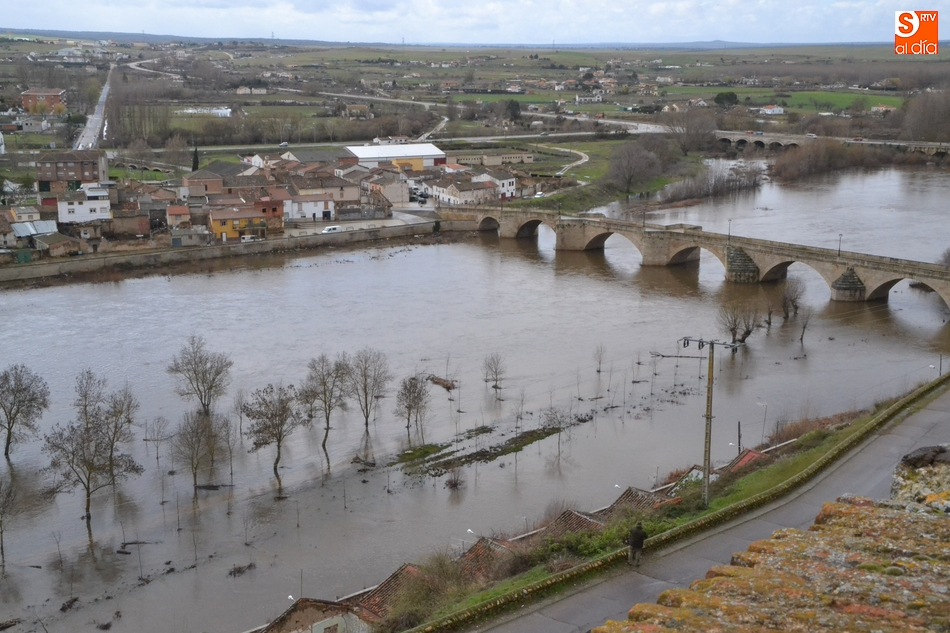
(440, 309)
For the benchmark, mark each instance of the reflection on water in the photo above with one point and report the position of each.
(440, 309)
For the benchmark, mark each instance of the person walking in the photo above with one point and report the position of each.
(635, 540)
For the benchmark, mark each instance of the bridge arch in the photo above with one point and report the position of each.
(880, 291)
(529, 228)
(759, 144)
(488, 223)
(775, 146)
(597, 242)
(682, 253)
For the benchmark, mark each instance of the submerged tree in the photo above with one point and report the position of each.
(23, 398)
(367, 380)
(84, 454)
(274, 413)
(8, 509)
(791, 297)
(325, 388)
(494, 367)
(191, 444)
(738, 320)
(202, 375)
(412, 402)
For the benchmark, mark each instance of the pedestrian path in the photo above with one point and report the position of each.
(865, 471)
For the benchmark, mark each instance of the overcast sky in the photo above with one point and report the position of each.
(486, 21)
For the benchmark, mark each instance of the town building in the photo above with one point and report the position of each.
(408, 156)
(43, 100)
(57, 172)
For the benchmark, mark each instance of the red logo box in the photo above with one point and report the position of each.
(915, 33)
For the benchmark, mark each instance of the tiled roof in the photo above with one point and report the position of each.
(571, 521)
(480, 559)
(864, 565)
(380, 600)
(632, 499)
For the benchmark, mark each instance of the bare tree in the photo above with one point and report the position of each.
(367, 380)
(202, 375)
(631, 164)
(325, 387)
(176, 152)
(83, 453)
(190, 444)
(804, 318)
(412, 402)
(599, 353)
(117, 417)
(274, 413)
(23, 398)
(226, 434)
(237, 406)
(691, 128)
(738, 320)
(791, 297)
(944, 259)
(157, 433)
(8, 509)
(494, 367)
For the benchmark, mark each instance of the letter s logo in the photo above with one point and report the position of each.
(906, 23)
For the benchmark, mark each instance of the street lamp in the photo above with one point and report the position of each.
(839, 244)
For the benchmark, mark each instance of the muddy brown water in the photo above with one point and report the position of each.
(440, 309)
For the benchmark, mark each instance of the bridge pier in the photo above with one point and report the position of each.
(740, 268)
(848, 287)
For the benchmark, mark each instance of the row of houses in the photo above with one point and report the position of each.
(250, 200)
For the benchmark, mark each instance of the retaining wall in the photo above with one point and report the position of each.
(53, 267)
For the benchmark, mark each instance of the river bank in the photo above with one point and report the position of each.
(116, 266)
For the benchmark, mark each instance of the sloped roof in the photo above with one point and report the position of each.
(480, 559)
(572, 521)
(631, 499)
(380, 600)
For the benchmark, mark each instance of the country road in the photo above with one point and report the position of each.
(865, 471)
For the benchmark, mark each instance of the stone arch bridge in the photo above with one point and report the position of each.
(850, 276)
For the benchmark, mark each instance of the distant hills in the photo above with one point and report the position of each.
(160, 39)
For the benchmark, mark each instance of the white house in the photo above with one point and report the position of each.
(506, 182)
(773, 109)
(411, 155)
(315, 206)
(86, 205)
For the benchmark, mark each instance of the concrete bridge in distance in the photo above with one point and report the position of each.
(850, 276)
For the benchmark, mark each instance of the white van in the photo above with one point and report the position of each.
(332, 229)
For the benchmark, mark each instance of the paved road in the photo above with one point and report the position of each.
(89, 138)
(866, 471)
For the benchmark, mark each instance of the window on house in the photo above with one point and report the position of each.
(224, 222)
(70, 211)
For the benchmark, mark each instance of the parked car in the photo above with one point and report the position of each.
(811, 136)
(332, 229)
(284, 144)
(422, 202)
(540, 194)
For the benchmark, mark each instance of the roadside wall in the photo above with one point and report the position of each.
(90, 263)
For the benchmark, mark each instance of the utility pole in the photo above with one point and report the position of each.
(709, 402)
